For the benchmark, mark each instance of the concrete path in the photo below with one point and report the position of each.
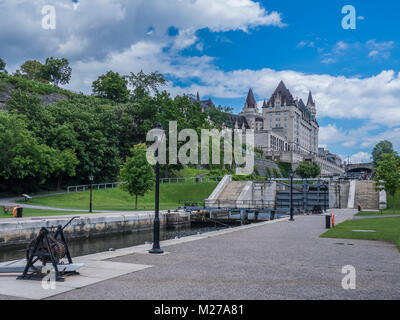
(86, 215)
(10, 202)
(285, 260)
(281, 260)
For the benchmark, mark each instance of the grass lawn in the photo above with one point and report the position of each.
(40, 213)
(193, 172)
(376, 213)
(119, 200)
(387, 229)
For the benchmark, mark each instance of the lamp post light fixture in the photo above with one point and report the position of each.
(156, 233)
(91, 178)
(291, 174)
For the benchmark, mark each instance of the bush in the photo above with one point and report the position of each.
(276, 173)
(268, 173)
(251, 177)
(284, 168)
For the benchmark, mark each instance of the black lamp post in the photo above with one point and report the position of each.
(91, 178)
(291, 174)
(156, 233)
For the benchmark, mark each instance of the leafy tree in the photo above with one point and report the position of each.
(284, 168)
(33, 70)
(308, 169)
(85, 125)
(137, 173)
(383, 147)
(23, 156)
(219, 116)
(111, 86)
(387, 174)
(2, 65)
(143, 84)
(57, 71)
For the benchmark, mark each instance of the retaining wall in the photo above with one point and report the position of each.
(19, 232)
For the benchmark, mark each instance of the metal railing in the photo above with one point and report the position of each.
(231, 204)
(190, 180)
(99, 186)
(112, 185)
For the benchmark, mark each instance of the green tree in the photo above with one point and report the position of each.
(137, 173)
(383, 147)
(111, 86)
(33, 70)
(2, 65)
(308, 169)
(219, 116)
(143, 84)
(23, 156)
(57, 71)
(387, 175)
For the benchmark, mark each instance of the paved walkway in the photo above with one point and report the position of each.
(10, 202)
(284, 260)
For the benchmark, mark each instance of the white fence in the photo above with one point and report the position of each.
(113, 185)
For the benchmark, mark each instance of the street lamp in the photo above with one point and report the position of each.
(91, 178)
(156, 233)
(291, 174)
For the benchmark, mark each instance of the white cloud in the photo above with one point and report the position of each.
(379, 49)
(341, 45)
(360, 157)
(114, 25)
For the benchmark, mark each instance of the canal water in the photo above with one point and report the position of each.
(80, 247)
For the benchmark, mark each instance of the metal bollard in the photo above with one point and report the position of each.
(327, 221)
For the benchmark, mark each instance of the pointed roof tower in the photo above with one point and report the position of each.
(251, 101)
(283, 94)
(310, 101)
(265, 104)
(198, 96)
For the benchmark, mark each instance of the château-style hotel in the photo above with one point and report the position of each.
(286, 129)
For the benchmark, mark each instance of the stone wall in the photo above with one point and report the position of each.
(19, 232)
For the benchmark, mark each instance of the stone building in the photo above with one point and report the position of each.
(285, 128)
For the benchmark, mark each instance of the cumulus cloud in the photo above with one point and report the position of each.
(360, 157)
(93, 29)
(130, 35)
(379, 49)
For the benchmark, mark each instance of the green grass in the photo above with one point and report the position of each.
(193, 172)
(376, 213)
(40, 213)
(119, 200)
(387, 229)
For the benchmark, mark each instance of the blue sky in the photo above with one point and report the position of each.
(222, 47)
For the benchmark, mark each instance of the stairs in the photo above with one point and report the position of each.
(366, 195)
(232, 190)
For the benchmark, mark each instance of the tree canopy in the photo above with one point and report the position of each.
(93, 135)
(33, 70)
(111, 86)
(144, 84)
(57, 71)
(137, 173)
(383, 147)
(387, 175)
(308, 169)
(2, 65)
